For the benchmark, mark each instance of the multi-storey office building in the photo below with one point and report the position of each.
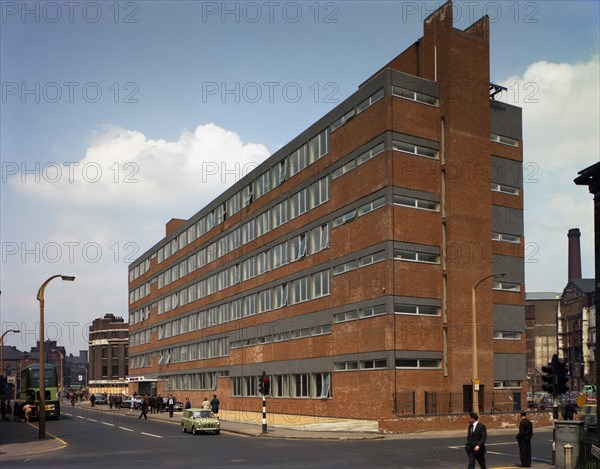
(344, 266)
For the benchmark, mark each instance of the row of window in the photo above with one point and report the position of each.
(381, 364)
(360, 262)
(413, 95)
(354, 111)
(508, 238)
(191, 381)
(506, 286)
(281, 336)
(213, 348)
(505, 189)
(139, 292)
(362, 210)
(296, 291)
(399, 308)
(139, 315)
(504, 140)
(296, 385)
(360, 159)
(306, 199)
(139, 270)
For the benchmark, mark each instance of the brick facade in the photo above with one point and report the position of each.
(373, 297)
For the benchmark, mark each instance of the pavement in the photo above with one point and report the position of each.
(22, 439)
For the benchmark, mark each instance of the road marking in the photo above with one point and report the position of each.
(487, 444)
(80, 417)
(92, 420)
(125, 428)
(109, 424)
(150, 434)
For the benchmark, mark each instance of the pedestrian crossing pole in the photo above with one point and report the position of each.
(264, 388)
(264, 418)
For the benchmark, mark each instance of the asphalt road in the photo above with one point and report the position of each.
(102, 440)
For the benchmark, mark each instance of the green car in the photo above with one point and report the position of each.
(199, 421)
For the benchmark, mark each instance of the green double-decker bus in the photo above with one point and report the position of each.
(30, 389)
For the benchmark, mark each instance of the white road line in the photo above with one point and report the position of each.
(487, 445)
(80, 417)
(109, 424)
(92, 420)
(150, 434)
(127, 429)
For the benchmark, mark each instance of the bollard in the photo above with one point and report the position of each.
(569, 456)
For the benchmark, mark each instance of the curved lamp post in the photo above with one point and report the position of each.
(40, 298)
(474, 340)
(16, 331)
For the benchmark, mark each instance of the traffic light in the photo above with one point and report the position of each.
(562, 378)
(264, 384)
(550, 376)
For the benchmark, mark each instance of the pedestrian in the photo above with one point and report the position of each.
(3, 410)
(188, 404)
(524, 440)
(144, 409)
(93, 399)
(475, 447)
(569, 410)
(152, 404)
(170, 403)
(17, 411)
(27, 408)
(206, 404)
(7, 411)
(214, 404)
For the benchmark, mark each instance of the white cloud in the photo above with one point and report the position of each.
(561, 122)
(560, 107)
(76, 220)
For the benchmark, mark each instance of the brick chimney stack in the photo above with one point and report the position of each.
(574, 254)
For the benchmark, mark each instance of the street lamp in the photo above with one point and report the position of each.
(474, 340)
(62, 380)
(40, 298)
(16, 331)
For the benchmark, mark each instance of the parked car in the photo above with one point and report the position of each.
(100, 399)
(199, 421)
(177, 407)
(546, 403)
(589, 389)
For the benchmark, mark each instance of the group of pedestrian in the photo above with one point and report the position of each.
(477, 435)
(212, 405)
(169, 404)
(21, 411)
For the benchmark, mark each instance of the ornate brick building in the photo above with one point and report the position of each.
(108, 355)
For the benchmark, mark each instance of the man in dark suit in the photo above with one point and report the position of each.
(475, 447)
(524, 440)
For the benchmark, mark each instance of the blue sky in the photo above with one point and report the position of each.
(110, 111)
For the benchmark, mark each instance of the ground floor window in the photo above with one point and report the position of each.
(302, 385)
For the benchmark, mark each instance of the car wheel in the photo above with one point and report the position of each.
(183, 428)
(194, 431)
(217, 432)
